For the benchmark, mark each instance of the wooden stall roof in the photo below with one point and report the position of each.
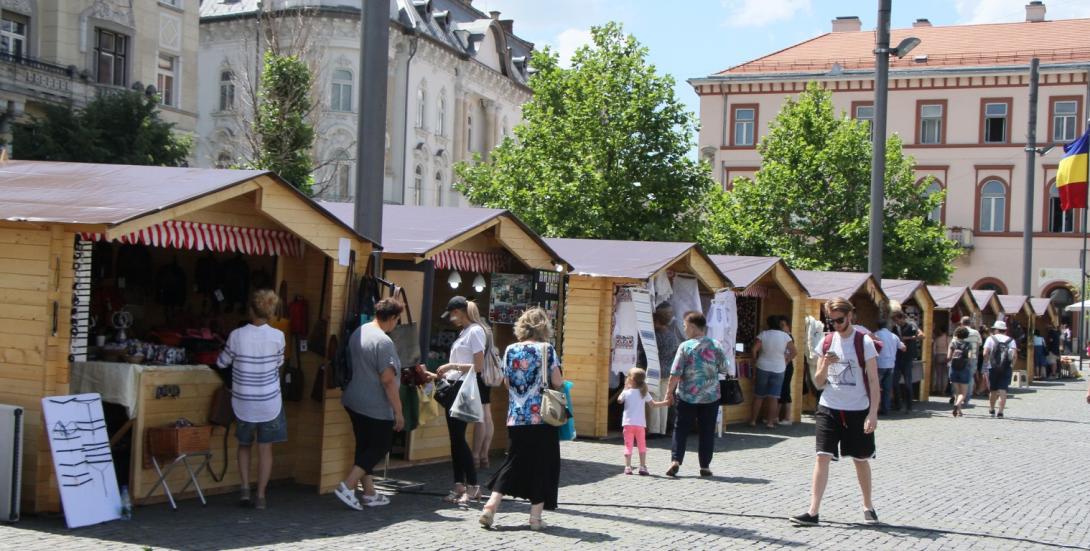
(1015, 304)
(744, 271)
(1044, 308)
(638, 260)
(903, 290)
(947, 297)
(111, 195)
(986, 298)
(424, 231)
(828, 285)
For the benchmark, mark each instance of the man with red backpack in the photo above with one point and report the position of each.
(848, 409)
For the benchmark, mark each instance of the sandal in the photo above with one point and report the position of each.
(628, 470)
(487, 518)
(472, 493)
(537, 525)
(454, 497)
(644, 471)
(672, 471)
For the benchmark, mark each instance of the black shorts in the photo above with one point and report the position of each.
(374, 438)
(841, 433)
(486, 391)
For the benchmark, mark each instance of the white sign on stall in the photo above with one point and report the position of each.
(641, 298)
(77, 435)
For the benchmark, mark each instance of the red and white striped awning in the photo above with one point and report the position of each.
(471, 261)
(196, 236)
(755, 291)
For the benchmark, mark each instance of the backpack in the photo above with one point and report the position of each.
(858, 341)
(492, 373)
(959, 358)
(1001, 358)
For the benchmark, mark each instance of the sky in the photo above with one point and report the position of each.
(695, 38)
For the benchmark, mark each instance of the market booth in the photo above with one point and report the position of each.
(121, 280)
(860, 288)
(990, 309)
(919, 306)
(952, 304)
(1047, 323)
(487, 255)
(601, 281)
(764, 286)
(1020, 319)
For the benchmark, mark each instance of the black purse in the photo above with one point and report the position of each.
(446, 392)
(730, 392)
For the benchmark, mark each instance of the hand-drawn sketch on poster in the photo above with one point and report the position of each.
(641, 298)
(77, 435)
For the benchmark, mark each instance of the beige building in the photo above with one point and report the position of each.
(960, 102)
(68, 51)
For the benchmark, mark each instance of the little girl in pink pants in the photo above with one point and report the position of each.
(634, 419)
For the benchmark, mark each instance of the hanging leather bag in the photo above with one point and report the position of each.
(406, 336)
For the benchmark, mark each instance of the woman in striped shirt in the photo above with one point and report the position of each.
(256, 352)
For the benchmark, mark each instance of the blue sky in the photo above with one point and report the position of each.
(691, 38)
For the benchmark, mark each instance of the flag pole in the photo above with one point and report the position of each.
(1082, 290)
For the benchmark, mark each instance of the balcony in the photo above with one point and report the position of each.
(963, 237)
(40, 80)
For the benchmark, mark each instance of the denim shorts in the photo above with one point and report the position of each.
(769, 384)
(268, 432)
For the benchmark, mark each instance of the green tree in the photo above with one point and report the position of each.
(283, 133)
(602, 150)
(810, 200)
(119, 128)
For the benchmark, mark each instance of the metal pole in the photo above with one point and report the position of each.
(1082, 289)
(371, 131)
(1031, 154)
(878, 144)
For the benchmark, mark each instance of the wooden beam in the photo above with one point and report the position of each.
(468, 234)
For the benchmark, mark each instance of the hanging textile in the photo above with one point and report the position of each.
(685, 299)
(197, 236)
(660, 288)
(624, 332)
(723, 323)
(471, 261)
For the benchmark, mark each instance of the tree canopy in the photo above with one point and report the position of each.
(122, 127)
(283, 133)
(602, 151)
(809, 202)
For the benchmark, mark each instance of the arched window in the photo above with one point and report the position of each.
(341, 185)
(993, 206)
(342, 91)
(936, 214)
(420, 108)
(1058, 220)
(441, 117)
(224, 160)
(439, 188)
(991, 284)
(469, 133)
(418, 184)
(227, 90)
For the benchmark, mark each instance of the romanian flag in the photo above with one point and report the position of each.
(1071, 178)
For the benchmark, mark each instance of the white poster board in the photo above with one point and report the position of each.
(641, 299)
(77, 435)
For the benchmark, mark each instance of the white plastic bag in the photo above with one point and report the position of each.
(467, 405)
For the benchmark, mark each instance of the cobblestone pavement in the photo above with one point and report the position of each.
(940, 483)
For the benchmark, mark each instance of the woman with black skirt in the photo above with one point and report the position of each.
(532, 468)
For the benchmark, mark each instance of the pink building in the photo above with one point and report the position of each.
(960, 102)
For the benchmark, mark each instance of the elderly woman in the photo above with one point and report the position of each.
(694, 387)
(532, 468)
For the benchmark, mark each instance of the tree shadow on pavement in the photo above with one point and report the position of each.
(720, 531)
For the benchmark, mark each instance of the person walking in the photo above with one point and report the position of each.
(774, 350)
(255, 353)
(1065, 338)
(694, 388)
(847, 413)
(960, 353)
(1000, 350)
(532, 468)
(372, 402)
(635, 397)
(975, 342)
(467, 352)
(910, 335)
(887, 360)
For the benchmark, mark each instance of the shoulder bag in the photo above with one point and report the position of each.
(554, 404)
(492, 372)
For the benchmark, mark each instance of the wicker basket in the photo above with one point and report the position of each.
(170, 442)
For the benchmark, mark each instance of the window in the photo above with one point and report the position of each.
(1058, 220)
(438, 188)
(993, 206)
(111, 51)
(340, 185)
(936, 214)
(166, 78)
(440, 118)
(995, 122)
(418, 184)
(865, 113)
(745, 119)
(227, 91)
(931, 116)
(1065, 120)
(13, 31)
(342, 91)
(420, 108)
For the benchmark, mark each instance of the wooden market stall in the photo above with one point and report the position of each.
(764, 286)
(951, 304)
(860, 288)
(83, 243)
(487, 255)
(1047, 323)
(919, 306)
(599, 269)
(1020, 319)
(990, 309)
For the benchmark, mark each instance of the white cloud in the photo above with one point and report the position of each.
(568, 41)
(758, 13)
(1013, 11)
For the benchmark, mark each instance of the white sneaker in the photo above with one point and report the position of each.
(378, 500)
(347, 496)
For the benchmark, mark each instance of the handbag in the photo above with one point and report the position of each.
(730, 392)
(554, 404)
(492, 372)
(446, 392)
(428, 406)
(406, 336)
(467, 405)
(222, 414)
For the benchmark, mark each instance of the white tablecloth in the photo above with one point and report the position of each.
(118, 383)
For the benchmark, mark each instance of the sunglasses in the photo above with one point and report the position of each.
(838, 321)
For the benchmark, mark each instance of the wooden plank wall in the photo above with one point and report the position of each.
(588, 324)
(523, 246)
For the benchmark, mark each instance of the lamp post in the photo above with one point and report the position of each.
(882, 51)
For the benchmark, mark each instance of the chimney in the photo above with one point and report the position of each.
(495, 15)
(508, 25)
(922, 22)
(847, 24)
(1035, 11)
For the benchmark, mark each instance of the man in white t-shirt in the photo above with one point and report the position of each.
(1000, 351)
(848, 409)
(887, 360)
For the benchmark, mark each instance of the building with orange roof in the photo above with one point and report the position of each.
(959, 101)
